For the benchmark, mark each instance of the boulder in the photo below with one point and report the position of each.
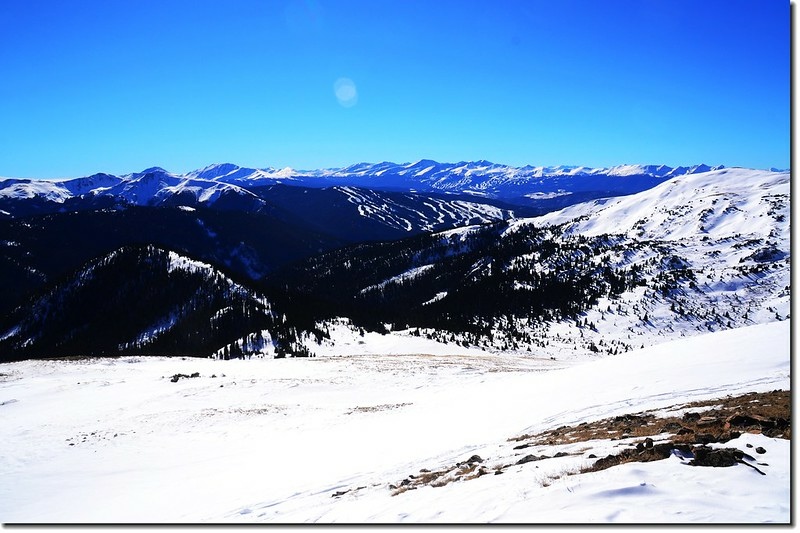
(720, 457)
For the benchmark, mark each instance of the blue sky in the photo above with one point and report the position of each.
(118, 86)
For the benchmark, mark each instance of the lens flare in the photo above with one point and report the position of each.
(345, 91)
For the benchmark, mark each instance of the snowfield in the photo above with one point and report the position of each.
(321, 440)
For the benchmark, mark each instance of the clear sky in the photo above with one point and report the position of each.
(121, 85)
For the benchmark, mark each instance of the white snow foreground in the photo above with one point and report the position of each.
(116, 440)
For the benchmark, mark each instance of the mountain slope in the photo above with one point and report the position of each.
(138, 300)
(716, 204)
(699, 253)
(37, 251)
(357, 214)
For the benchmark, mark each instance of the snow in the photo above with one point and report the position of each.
(436, 298)
(421, 213)
(263, 440)
(730, 227)
(180, 262)
(272, 440)
(49, 190)
(547, 195)
(400, 278)
(721, 203)
(345, 340)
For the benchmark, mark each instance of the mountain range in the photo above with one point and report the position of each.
(229, 261)
(228, 186)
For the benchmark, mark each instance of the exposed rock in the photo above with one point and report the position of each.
(720, 457)
(706, 421)
(531, 458)
(472, 460)
(176, 377)
(691, 417)
(705, 438)
(728, 435)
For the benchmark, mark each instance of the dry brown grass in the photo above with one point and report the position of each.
(376, 408)
(702, 422)
(462, 471)
(771, 410)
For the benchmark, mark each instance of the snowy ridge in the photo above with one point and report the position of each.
(148, 188)
(483, 178)
(499, 181)
(400, 278)
(703, 251)
(715, 204)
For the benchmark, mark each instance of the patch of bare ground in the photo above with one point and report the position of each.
(701, 423)
(252, 411)
(464, 470)
(376, 408)
(709, 421)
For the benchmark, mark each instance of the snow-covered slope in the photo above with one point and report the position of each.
(717, 204)
(321, 440)
(698, 253)
(413, 213)
(151, 187)
(714, 247)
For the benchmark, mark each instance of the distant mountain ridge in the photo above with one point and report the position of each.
(227, 185)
